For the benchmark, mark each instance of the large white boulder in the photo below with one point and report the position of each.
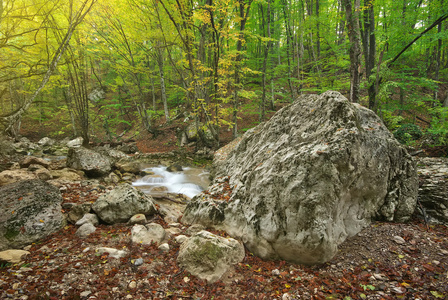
(316, 173)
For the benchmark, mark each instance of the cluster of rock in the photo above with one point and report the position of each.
(316, 173)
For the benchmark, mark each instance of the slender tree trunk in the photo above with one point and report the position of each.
(369, 43)
(160, 59)
(265, 60)
(352, 17)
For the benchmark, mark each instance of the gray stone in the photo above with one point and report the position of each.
(164, 247)
(88, 218)
(75, 143)
(137, 219)
(180, 239)
(30, 211)
(85, 230)
(92, 163)
(46, 141)
(433, 189)
(13, 256)
(121, 203)
(114, 253)
(12, 176)
(128, 167)
(195, 228)
(78, 211)
(146, 235)
(67, 174)
(209, 256)
(31, 160)
(316, 173)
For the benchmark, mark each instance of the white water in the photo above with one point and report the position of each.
(190, 181)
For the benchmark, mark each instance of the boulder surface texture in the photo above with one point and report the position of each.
(316, 173)
(30, 211)
(121, 203)
(209, 256)
(91, 162)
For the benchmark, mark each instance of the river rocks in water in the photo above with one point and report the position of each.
(30, 211)
(209, 256)
(145, 235)
(174, 168)
(433, 190)
(91, 162)
(121, 203)
(316, 173)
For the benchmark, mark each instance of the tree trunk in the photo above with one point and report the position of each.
(352, 18)
(160, 59)
(265, 60)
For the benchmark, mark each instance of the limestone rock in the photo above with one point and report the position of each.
(316, 173)
(13, 256)
(121, 203)
(137, 219)
(78, 211)
(88, 218)
(114, 253)
(12, 176)
(433, 190)
(46, 141)
(32, 160)
(128, 167)
(147, 234)
(91, 162)
(75, 143)
(30, 210)
(85, 230)
(209, 256)
(67, 174)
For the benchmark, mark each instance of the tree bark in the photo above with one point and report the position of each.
(352, 18)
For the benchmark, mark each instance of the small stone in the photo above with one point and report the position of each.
(129, 297)
(186, 279)
(173, 230)
(181, 239)
(286, 296)
(164, 247)
(86, 250)
(132, 284)
(137, 219)
(444, 252)
(85, 294)
(275, 272)
(174, 225)
(138, 262)
(436, 262)
(399, 240)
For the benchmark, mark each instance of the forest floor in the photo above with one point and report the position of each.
(384, 261)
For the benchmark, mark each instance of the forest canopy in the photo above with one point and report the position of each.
(104, 67)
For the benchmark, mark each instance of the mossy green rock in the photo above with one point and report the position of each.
(209, 256)
(31, 210)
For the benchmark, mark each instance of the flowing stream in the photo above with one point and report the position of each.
(190, 181)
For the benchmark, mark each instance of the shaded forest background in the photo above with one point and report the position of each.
(104, 70)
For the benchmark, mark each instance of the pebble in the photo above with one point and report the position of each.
(85, 294)
(138, 262)
(164, 247)
(181, 238)
(132, 284)
(399, 240)
(275, 272)
(86, 250)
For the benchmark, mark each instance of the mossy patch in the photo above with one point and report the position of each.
(208, 253)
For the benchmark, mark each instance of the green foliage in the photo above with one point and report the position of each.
(439, 125)
(407, 133)
(390, 120)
